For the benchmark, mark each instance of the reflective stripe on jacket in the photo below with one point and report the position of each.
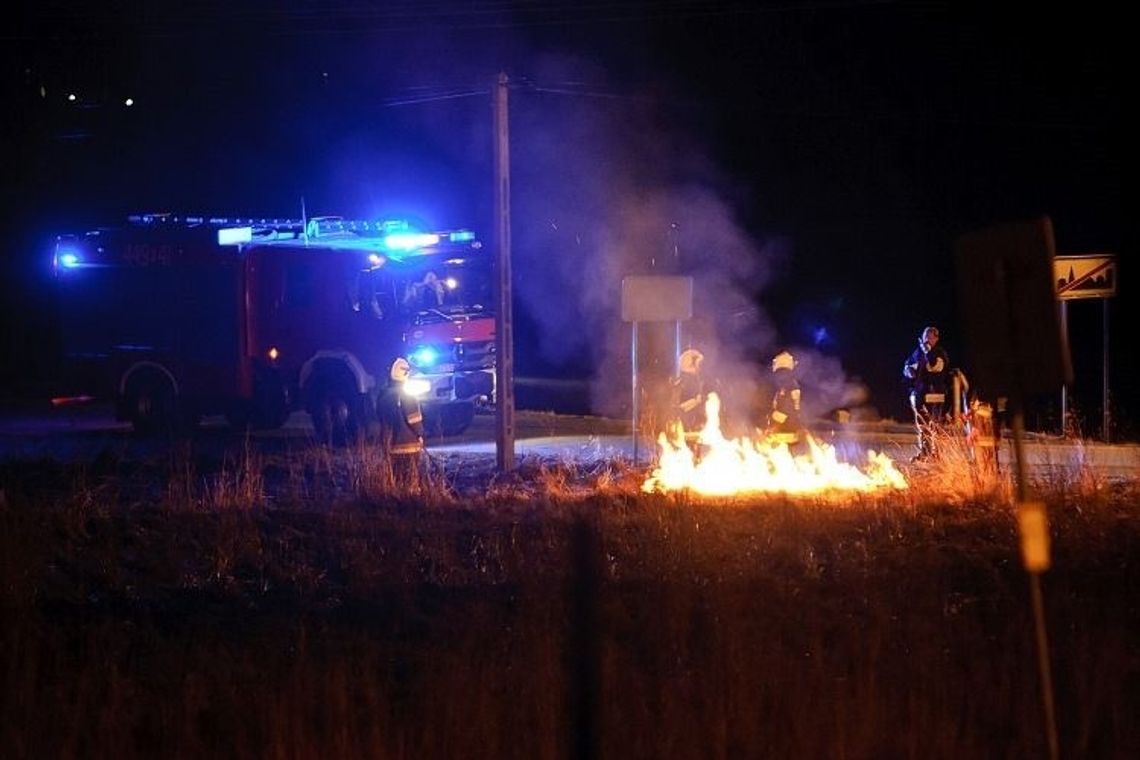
(402, 419)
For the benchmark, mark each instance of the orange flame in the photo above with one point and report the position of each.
(725, 467)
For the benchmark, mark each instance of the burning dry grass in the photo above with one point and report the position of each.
(312, 603)
(715, 465)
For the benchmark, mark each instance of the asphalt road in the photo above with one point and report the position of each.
(77, 434)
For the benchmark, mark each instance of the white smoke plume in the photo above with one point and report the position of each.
(607, 187)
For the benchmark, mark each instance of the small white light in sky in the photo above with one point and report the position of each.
(129, 102)
(71, 96)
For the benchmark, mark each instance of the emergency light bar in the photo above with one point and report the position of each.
(395, 234)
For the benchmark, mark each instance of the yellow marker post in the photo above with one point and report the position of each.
(1034, 528)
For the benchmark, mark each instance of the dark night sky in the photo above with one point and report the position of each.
(812, 162)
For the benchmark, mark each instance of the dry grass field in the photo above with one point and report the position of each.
(304, 604)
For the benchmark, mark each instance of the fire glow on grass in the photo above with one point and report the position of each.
(725, 467)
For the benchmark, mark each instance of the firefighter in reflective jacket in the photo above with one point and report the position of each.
(689, 391)
(927, 370)
(785, 423)
(403, 421)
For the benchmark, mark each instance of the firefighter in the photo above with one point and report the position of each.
(402, 420)
(785, 422)
(980, 436)
(927, 371)
(689, 391)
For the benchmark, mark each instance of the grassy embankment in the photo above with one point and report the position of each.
(305, 605)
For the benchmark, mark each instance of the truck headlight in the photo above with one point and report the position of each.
(416, 386)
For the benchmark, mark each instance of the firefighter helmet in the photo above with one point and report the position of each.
(783, 360)
(691, 360)
(400, 370)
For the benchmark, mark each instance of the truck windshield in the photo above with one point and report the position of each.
(444, 291)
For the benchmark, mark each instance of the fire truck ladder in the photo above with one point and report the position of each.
(397, 231)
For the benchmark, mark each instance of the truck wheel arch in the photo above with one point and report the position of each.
(147, 365)
(364, 381)
(335, 389)
(149, 399)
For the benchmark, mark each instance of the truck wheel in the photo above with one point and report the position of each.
(151, 404)
(337, 412)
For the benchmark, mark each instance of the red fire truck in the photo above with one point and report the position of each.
(176, 317)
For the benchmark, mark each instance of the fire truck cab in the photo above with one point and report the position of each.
(178, 317)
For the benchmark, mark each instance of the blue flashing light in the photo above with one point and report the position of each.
(235, 235)
(462, 236)
(409, 241)
(424, 356)
(69, 260)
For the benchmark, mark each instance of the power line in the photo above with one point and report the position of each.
(610, 95)
(435, 98)
(274, 21)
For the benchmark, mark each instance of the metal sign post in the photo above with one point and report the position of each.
(635, 412)
(652, 298)
(1017, 348)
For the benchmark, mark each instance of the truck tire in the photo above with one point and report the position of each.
(337, 410)
(449, 419)
(151, 403)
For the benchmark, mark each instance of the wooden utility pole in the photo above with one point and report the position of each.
(504, 340)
